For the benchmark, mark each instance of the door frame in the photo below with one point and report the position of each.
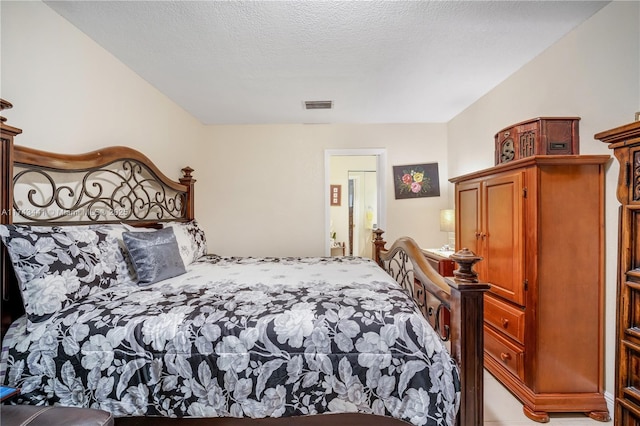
(381, 163)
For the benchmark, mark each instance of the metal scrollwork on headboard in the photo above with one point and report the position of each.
(110, 185)
(125, 190)
(401, 268)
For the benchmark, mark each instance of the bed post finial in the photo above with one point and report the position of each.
(186, 172)
(189, 181)
(465, 259)
(4, 104)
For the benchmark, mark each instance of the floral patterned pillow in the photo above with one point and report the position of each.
(116, 230)
(57, 266)
(191, 240)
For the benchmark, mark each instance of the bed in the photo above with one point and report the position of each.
(111, 300)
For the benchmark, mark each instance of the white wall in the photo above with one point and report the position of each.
(265, 190)
(593, 73)
(72, 96)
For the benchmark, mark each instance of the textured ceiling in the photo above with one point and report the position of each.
(241, 62)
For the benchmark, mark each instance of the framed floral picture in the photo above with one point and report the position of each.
(417, 180)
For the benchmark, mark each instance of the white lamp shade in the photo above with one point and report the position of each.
(447, 220)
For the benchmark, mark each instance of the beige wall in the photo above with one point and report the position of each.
(592, 73)
(72, 96)
(265, 190)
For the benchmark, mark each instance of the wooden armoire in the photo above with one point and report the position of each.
(625, 142)
(538, 222)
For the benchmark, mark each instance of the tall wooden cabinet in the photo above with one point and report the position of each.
(625, 142)
(538, 223)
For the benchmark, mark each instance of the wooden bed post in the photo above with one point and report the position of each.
(6, 163)
(378, 245)
(467, 336)
(6, 209)
(189, 181)
(465, 296)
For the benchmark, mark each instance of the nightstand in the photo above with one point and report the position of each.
(439, 260)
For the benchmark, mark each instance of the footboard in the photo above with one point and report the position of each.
(453, 306)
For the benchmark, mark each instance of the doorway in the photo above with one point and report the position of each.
(350, 221)
(362, 199)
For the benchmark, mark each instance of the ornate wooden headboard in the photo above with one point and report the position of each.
(111, 185)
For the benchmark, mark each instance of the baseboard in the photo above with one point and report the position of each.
(609, 399)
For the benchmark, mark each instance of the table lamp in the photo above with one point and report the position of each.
(447, 224)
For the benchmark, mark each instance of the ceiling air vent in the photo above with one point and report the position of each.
(318, 104)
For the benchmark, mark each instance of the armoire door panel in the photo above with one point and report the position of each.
(631, 215)
(631, 295)
(468, 217)
(633, 174)
(502, 236)
(630, 375)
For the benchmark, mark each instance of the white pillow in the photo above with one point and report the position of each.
(191, 240)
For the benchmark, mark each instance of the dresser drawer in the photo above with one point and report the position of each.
(506, 353)
(504, 317)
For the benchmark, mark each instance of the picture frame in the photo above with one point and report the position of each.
(335, 194)
(416, 181)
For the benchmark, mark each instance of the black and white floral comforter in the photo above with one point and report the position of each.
(243, 337)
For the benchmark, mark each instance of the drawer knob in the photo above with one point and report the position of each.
(505, 356)
(505, 322)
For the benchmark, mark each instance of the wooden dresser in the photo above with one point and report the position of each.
(625, 142)
(538, 222)
(439, 260)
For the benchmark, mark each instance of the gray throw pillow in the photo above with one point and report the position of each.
(155, 255)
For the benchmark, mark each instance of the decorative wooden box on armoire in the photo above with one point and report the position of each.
(538, 136)
(625, 142)
(538, 222)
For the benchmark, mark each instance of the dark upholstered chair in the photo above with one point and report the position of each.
(31, 415)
